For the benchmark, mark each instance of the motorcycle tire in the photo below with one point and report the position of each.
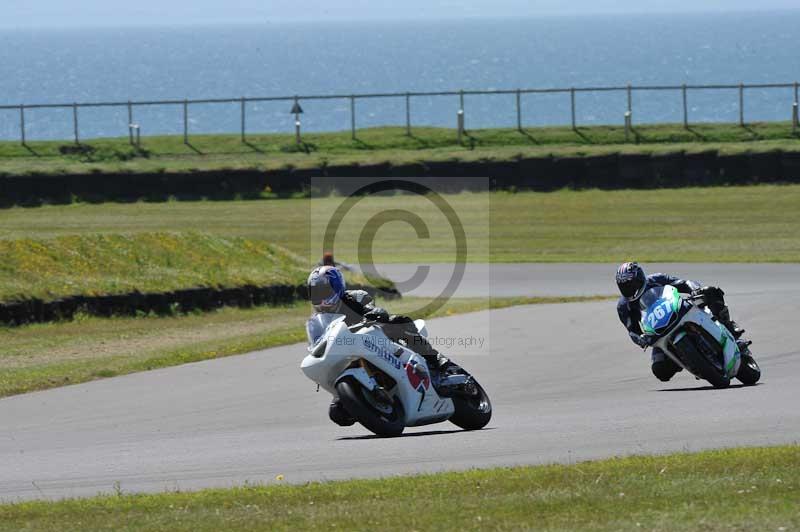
(749, 372)
(472, 413)
(701, 366)
(351, 394)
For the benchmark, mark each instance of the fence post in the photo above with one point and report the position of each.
(796, 85)
(408, 114)
(296, 109)
(629, 113)
(519, 111)
(353, 116)
(685, 108)
(22, 124)
(244, 119)
(186, 121)
(572, 107)
(630, 99)
(75, 122)
(130, 122)
(460, 114)
(741, 104)
(628, 121)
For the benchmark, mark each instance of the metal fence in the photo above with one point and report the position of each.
(627, 114)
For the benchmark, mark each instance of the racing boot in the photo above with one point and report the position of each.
(724, 316)
(339, 415)
(744, 347)
(450, 378)
(735, 329)
(438, 361)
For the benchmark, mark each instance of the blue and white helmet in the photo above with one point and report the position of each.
(326, 287)
(631, 280)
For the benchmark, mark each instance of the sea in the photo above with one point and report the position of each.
(41, 66)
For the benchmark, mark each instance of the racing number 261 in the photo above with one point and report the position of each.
(658, 313)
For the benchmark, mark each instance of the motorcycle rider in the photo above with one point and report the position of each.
(328, 294)
(633, 282)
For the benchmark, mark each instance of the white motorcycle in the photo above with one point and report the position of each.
(386, 386)
(688, 333)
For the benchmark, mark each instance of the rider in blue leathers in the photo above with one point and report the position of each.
(633, 282)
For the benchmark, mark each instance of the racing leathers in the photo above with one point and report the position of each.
(356, 305)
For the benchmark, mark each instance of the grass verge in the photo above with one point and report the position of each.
(380, 145)
(41, 356)
(90, 264)
(104, 264)
(733, 489)
(715, 224)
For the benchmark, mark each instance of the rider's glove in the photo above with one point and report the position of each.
(712, 292)
(377, 314)
(698, 293)
(644, 341)
(399, 318)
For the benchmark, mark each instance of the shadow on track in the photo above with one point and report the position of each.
(707, 388)
(411, 434)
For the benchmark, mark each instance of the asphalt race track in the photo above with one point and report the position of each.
(565, 381)
(508, 280)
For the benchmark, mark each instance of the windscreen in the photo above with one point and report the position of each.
(650, 297)
(318, 324)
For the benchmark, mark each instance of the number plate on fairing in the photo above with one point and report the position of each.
(659, 307)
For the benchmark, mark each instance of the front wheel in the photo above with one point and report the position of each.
(474, 411)
(702, 366)
(749, 372)
(378, 417)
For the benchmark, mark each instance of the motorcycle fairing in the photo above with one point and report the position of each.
(328, 365)
(660, 308)
(703, 318)
(661, 315)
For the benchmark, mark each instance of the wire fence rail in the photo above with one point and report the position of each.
(134, 129)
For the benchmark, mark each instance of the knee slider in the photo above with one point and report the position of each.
(663, 370)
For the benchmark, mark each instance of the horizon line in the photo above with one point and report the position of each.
(237, 22)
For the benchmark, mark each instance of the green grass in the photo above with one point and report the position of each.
(734, 489)
(102, 264)
(715, 224)
(47, 355)
(379, 145)
(148, 262)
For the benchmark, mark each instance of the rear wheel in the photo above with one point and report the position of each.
(474, 411)
(377, 416)
(701, 365)
(749, 372)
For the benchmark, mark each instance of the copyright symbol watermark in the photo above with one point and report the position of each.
(372, 226)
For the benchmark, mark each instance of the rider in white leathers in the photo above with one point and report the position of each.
(328, 294)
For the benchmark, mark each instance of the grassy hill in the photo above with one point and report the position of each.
(119, 263)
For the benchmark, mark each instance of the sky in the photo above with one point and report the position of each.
(78, 13)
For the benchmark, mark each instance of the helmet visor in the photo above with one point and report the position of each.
(317, 294)
(632, 289)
